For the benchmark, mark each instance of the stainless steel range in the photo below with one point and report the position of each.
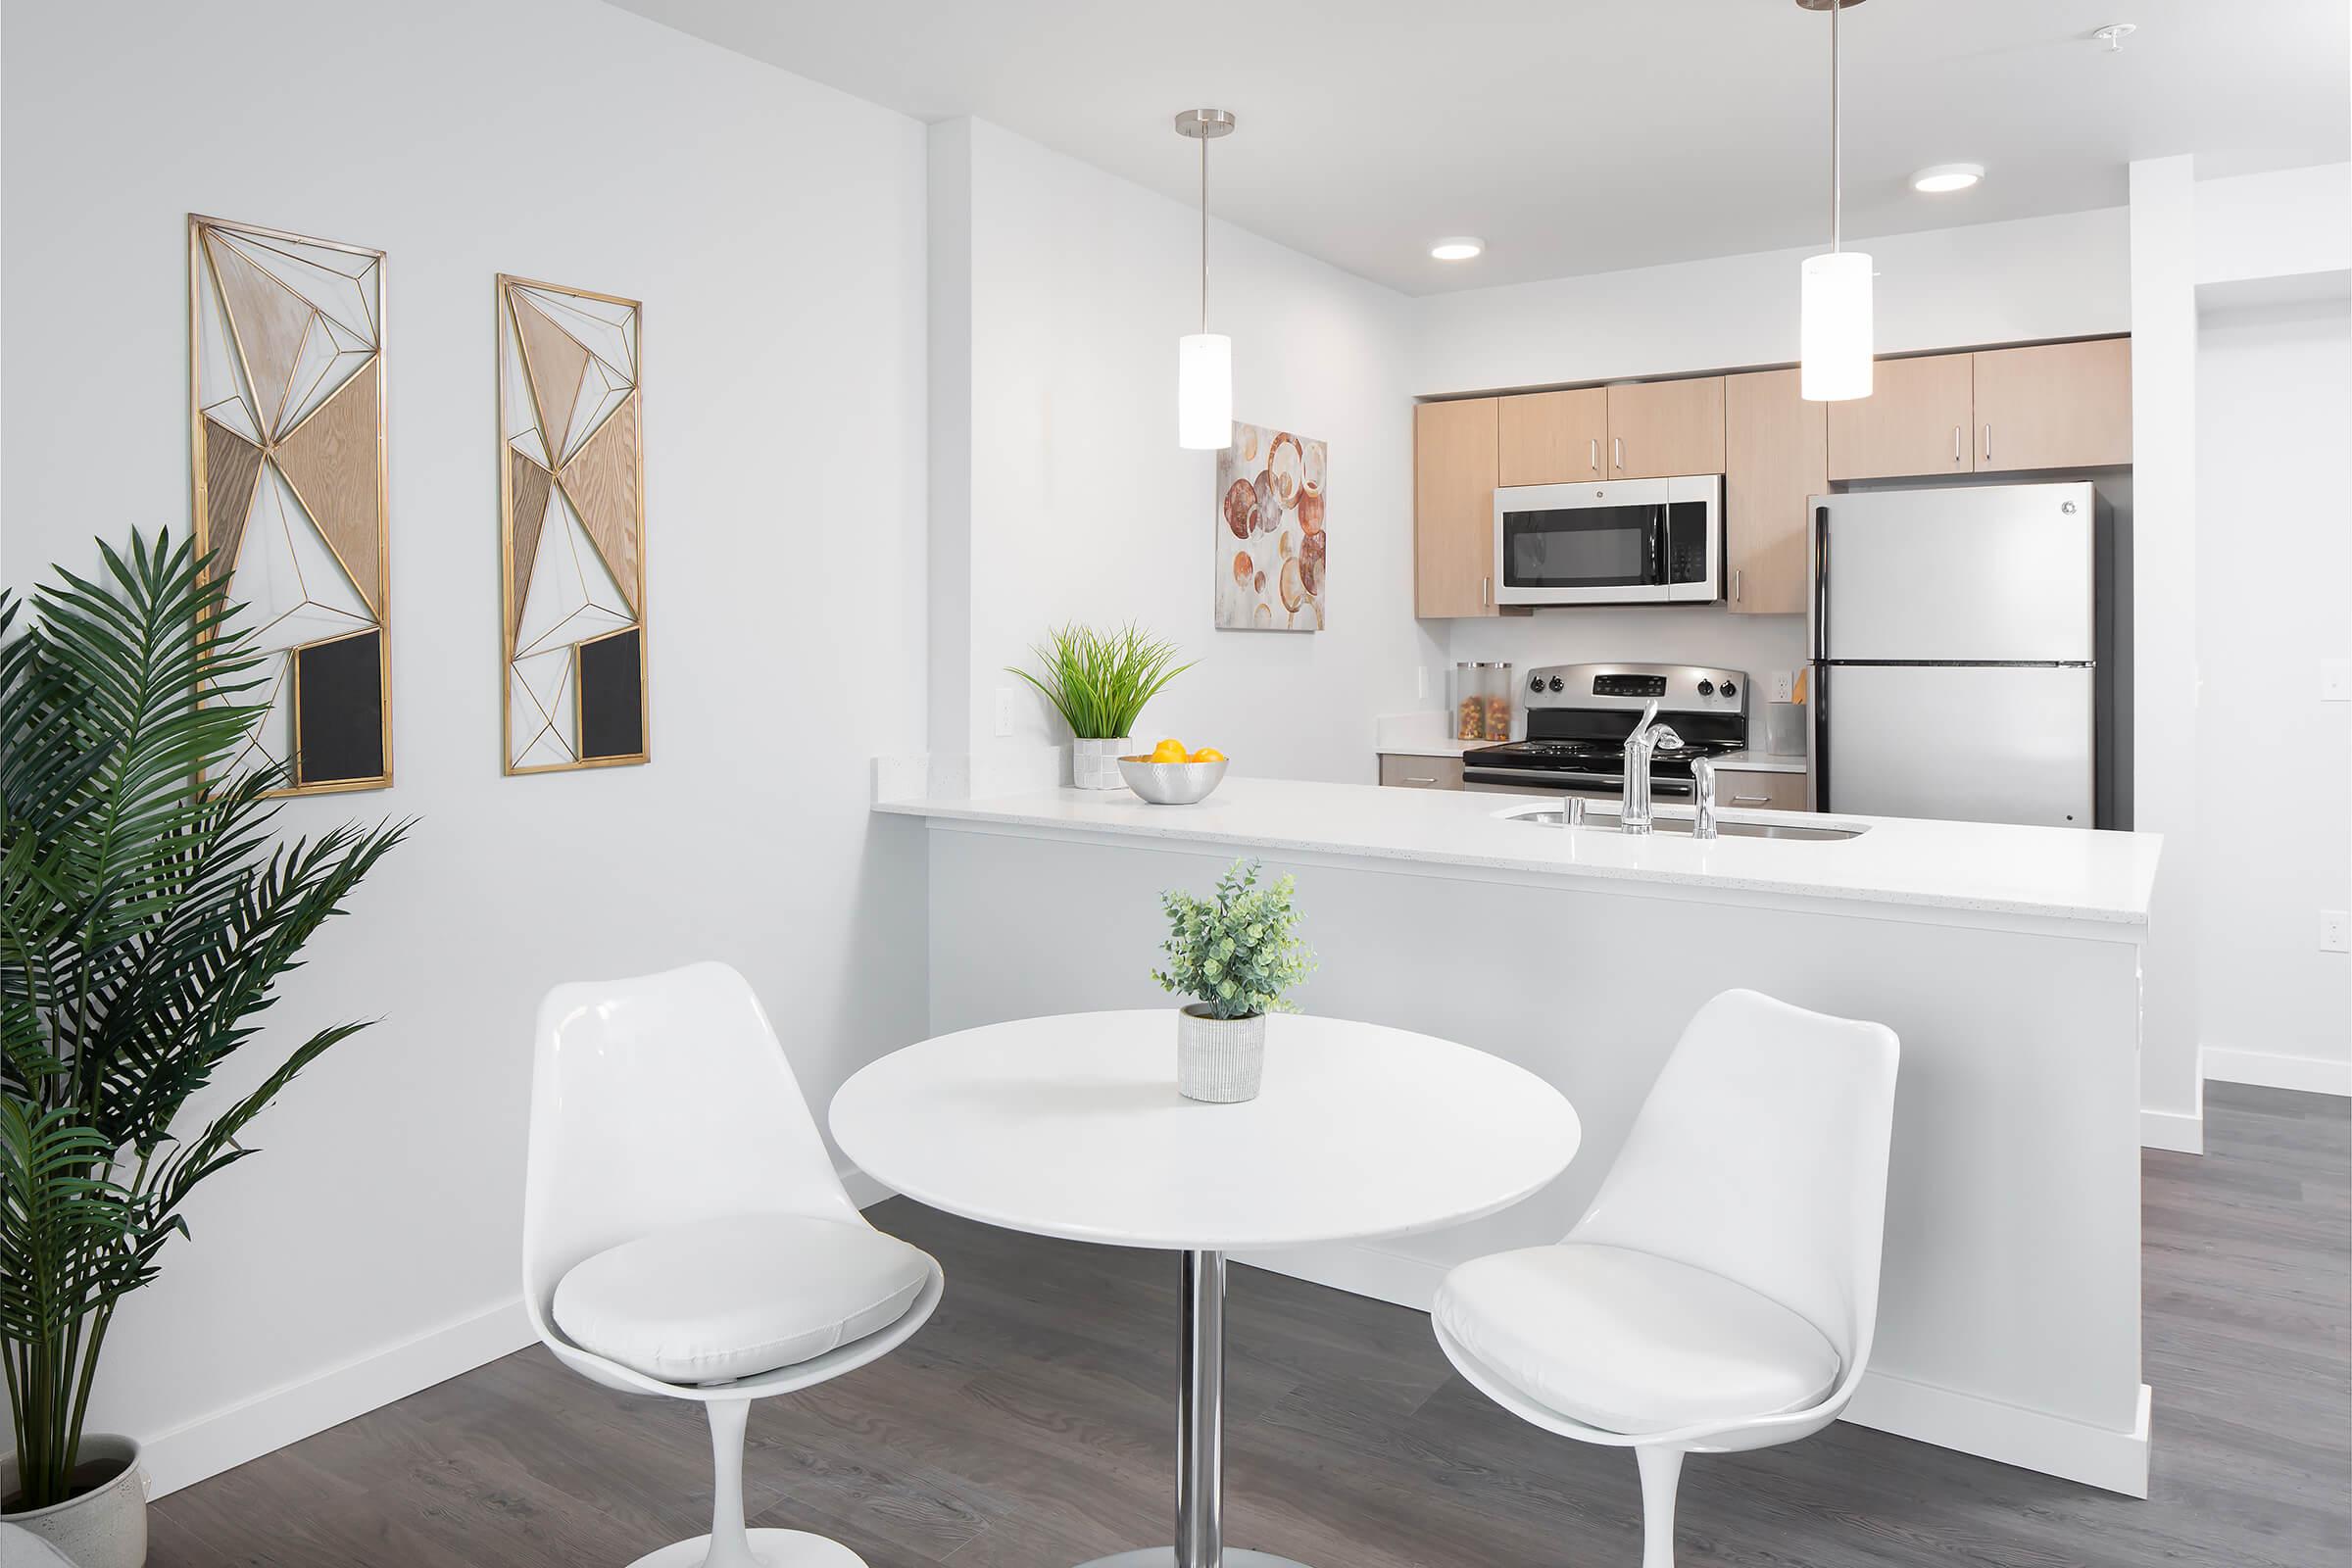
(1579, 716)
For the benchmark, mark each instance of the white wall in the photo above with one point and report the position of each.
(1082, 505)
(2273, 562)
(784, 386)
(2043, 277)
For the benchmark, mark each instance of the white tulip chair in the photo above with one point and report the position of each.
(1721, 1292)
(685, 1234)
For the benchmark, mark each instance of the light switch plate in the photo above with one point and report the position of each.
(2336, 931)
(1006, 698)
(2335, 680)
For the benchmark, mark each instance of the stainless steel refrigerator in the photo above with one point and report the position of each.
(1962, 643)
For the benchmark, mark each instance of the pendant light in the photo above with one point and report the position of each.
(1205, 358)
(1833, 333)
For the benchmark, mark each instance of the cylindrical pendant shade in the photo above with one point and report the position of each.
(1205, 391)
(1833, 334)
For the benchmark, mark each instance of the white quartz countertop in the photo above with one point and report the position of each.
(1762, 761)
(2055, 873)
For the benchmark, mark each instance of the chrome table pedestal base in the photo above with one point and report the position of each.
(1200, 1438)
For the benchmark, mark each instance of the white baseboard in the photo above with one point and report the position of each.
(2312, 1075)
(226, 1439)
(2181, 1131)
(1967, 1422)
(2055, 1445)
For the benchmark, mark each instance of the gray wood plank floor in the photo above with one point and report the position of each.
(1031, 1425)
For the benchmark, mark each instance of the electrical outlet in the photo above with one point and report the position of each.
(2336, 931)
(1783, 685)
(1007, 697)
(2335, 680)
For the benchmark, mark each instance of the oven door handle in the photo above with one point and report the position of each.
(1551, 777)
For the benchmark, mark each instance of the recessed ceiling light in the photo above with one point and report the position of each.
(1457, 247)
(1940, 177)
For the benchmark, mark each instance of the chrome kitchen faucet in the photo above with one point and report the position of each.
(1647, 736)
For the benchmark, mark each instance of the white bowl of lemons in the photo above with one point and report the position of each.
(1169, 774)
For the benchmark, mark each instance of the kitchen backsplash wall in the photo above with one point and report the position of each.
(1646, 634)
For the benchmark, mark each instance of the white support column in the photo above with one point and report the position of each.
(2164, 633)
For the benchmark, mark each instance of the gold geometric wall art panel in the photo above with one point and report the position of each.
(571, 529)
(286, 414)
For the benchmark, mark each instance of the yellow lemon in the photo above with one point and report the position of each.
(1168, 750)
(1209, 754)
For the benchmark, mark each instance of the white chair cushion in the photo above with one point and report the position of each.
(724, 1298)
(1631, 1342)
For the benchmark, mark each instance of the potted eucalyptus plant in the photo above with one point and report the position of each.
(1235, 953)
(146, 916)
(1099, 681)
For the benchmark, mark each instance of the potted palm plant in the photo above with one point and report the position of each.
(1236, 954)
(145, 918)
(1100, 682)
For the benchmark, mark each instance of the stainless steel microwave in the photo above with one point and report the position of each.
(1621, 542)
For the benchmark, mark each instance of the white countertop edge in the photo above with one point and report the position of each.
(1009, 813)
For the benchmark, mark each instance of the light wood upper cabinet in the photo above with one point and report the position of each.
(1915, 421)
(1456, 449)
(2057, 405)
(1555, 437)
(1658, 429)
(1775, 455)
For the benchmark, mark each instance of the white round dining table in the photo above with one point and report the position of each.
(1070, 1126)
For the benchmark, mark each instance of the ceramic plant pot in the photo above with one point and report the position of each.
(1095, 765)
(105, 1527)
(1219, 1059)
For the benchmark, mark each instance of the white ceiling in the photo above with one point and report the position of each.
(1587, 136)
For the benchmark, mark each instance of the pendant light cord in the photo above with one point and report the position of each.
(1836, 165)
(1204, 234)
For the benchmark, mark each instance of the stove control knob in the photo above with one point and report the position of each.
(1558, 684)
(1730, 690)
(1535, 683)
(1706, 688)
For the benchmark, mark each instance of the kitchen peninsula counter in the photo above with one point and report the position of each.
(1959, 869)
(2007, 960)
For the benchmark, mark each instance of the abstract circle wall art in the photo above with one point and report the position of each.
(1271, 530)
(571, 527)
(286, 415)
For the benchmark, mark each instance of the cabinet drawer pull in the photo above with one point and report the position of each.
(1751, 799)
(1409, 779)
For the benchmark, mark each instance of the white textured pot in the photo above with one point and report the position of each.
(1095, 765)
(103, 1528)
(1219, 1059)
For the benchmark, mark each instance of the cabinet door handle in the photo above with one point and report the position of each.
(1735, 585)
(1595, 454)
(1955, 443)
(1617, 449)
(1989, 443)
(1486, 591)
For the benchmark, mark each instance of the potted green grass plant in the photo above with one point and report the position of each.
(1237, 953)
(145, 919)
(1099, 681)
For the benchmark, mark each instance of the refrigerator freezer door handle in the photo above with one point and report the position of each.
(1821, 582)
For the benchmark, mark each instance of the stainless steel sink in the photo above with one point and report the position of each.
(1607, 822)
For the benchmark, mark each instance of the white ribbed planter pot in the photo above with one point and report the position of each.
(1219, 1059)
(1095, 765)
(102, 1528)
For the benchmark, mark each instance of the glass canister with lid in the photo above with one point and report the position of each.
(1466, 700)
(1500, 690)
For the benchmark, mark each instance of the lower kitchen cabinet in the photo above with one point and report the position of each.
(1775, 455)
(1739, 791)
(1421, 773)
